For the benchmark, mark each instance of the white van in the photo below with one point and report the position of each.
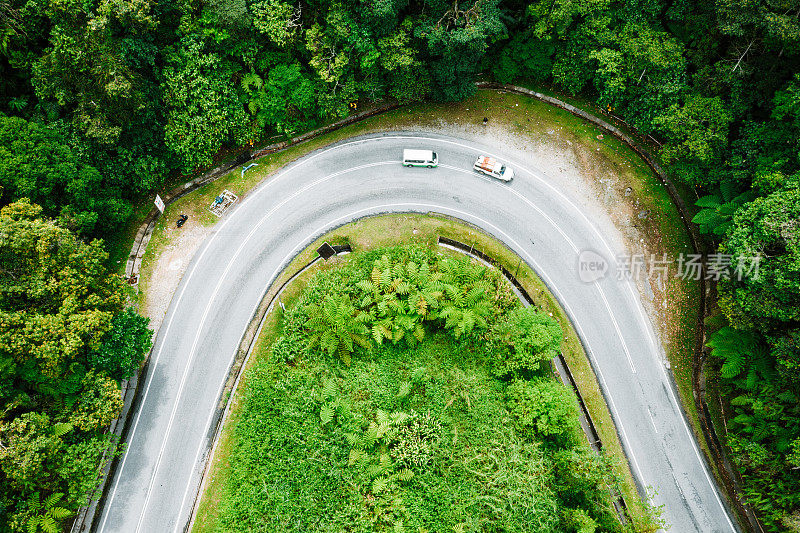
(420, 158)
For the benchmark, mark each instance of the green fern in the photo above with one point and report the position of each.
(59, 430)
(251, 79)
(47, 514)
(734, 365)
(329, 388)
(405, 475)
(355, 456)
(419, 374)
(379, 485)
(326, 414)
(405, 389)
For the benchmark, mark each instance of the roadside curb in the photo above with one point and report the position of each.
(727, 474)
(559, 363)
(85, 520)
(243, 353)
(267, 303)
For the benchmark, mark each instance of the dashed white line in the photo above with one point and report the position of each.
(530, 259)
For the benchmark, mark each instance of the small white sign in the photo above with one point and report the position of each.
(159, 203)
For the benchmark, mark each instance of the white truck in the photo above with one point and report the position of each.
(494, 168)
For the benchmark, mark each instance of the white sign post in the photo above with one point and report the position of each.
(159, 203)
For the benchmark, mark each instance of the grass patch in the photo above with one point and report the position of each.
(372, 233)
(408, 436)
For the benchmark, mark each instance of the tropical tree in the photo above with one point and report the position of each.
(203, 111)
(58, 303)
(766, 234)
(696, 131)
(38, 163)
(544, 407)
(457, 35)
(120, 353)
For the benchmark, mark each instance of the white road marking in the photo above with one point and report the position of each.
(574, 249)
(208, 308)
(264, 186)
(644, 322)
(352, 216)
(652, 420)
(225, 222)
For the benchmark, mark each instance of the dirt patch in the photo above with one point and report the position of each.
(600, 179)
(168, 268)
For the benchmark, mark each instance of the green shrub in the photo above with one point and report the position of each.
(523, 340)
(416, 440)
(545, 408)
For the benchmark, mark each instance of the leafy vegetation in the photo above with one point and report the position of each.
(66, 341)
(412, 432)
(102, 101)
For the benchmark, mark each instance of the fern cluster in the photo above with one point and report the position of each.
(417, 431)
(763, 429)
(399, 301)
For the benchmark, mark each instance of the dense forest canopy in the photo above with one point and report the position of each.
(66, 342)
(102, 100)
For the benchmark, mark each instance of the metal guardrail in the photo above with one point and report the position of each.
(559, 366)
(243, 353)
(491, 260)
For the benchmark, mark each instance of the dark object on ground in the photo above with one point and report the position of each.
(243, 158)
(182, 219)
(485, 120)
(326, 251)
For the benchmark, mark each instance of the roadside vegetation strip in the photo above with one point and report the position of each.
(472, 308)
(371, 233)
(508, 110)
(145, 231)
(720, 464)
(245, 350)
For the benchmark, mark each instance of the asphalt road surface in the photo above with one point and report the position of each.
(156, 483)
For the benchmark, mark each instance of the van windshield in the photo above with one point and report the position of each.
(434, 156)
